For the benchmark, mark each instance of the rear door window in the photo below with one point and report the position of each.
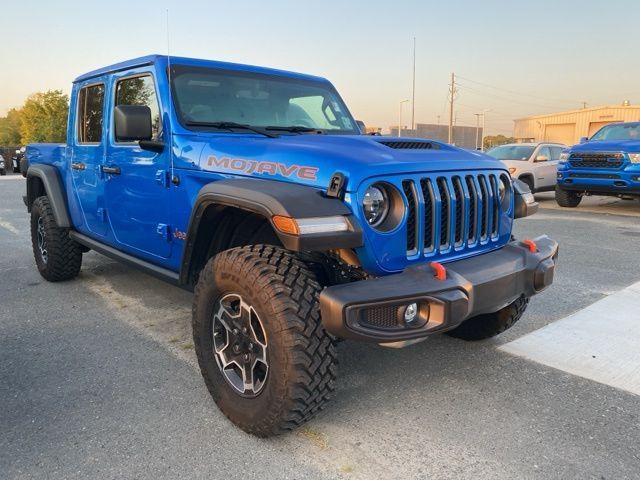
(90, 113)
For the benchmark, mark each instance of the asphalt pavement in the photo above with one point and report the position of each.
(98, 380)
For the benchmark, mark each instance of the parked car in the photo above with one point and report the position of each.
(3, 168)
(256, 189)
(17, 159)
(533, 163)
(606, 164)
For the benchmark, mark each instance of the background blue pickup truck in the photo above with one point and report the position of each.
(256, 189)
(606, 164)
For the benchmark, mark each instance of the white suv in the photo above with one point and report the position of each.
(535, 164)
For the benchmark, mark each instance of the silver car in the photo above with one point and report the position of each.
(535, 164)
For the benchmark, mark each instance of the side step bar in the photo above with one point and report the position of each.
(147, 267)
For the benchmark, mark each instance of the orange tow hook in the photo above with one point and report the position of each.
(533, 248)
(441, 272)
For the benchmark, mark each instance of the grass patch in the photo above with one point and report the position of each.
(174, 340)
(187, 346)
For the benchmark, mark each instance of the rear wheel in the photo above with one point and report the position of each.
(491, 324)
(57, 256)
(567, 198)
(264, 355)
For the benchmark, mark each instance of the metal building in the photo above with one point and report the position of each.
(569, 127)
(465, 137)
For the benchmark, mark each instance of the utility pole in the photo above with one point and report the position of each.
(452, 92)
(484, 134)
(413, 92)
(478, 127)
(584, 105)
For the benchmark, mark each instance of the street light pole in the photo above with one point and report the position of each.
(484, 114)
(478, 127)
(400, 117)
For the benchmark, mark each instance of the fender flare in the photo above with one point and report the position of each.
(268, 198)
(50, 178)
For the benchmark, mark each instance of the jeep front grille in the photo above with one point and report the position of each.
(596, 160)
(453, 212)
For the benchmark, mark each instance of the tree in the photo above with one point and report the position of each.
(495, 140)
(10, 128)
(44, 117)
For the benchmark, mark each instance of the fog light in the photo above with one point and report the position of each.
(411, 313)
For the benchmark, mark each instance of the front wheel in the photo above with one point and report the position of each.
(491, 324)
(265, 357)
(567, 198)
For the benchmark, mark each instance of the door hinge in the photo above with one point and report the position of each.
(162, 177)
(164, 231)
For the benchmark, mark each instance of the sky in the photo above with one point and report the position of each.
(512, 58)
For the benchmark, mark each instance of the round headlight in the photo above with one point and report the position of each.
(375, 205)
(504, 190)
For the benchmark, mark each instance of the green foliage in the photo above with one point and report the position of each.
(495, 140)
(10, 128)
(44, 117)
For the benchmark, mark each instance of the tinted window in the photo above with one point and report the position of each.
(620, 131)
(140, 91)
(206, 95)
(511, 152)
(555, 152)
(543, 152)
(90, 113)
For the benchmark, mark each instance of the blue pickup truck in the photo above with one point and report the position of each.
(256, 189)
(608, 163)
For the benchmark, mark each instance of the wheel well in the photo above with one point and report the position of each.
(222, 228)
(35, 189)
(527, 176)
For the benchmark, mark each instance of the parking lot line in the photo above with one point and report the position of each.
(599, 342)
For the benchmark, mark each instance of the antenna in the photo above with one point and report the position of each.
(170, 104)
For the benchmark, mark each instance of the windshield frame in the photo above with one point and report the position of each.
(616, 125)
(177, 69)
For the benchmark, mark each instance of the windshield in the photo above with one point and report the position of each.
(208, 95)
(619, 131)
(511, 152)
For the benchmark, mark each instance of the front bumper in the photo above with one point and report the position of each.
(599, 181)
(373, 310)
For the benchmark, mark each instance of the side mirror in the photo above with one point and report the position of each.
(541, 158)
(361, 126)
(584, 139)
(132, 123)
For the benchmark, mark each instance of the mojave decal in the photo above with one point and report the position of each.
(270, 168)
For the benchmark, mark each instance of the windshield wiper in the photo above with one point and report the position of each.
(295, 129)
(231, 126)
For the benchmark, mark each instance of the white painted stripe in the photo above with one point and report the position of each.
(600, 342)
(11, 177)
(8, 226)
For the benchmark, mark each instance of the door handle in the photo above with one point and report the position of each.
(78, 166)
(111, 170)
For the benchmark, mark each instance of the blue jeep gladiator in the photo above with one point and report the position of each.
(256, 189)
(606, 164)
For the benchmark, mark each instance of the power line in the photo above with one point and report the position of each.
(513, 92)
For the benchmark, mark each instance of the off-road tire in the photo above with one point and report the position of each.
(302, 356)
(64, 256)
(491, 324)
(566, 198)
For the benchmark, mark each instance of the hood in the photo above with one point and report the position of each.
(313, 159)
(608, 146)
